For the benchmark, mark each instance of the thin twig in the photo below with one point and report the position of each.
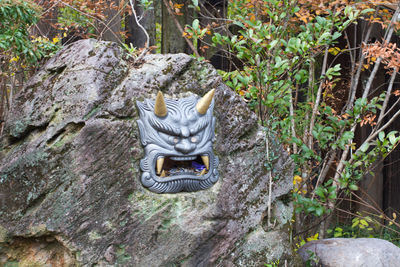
(355, 78)
(392, 107)
(318, 99)
(93, 17)
(325, 168)
(292, 122)
(352, 57)
(387, 97)
(269, 213)
(108, 25)
(146, 45)
(388, 36)
(311, 74)
(375, 133)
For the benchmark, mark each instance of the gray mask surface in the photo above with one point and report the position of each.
(177, 136)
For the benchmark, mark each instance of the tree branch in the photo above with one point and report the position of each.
(386, 101)
(388, 36)
(146, 45)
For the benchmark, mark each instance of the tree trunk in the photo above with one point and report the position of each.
(171, 38)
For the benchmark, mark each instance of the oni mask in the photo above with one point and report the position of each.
(177, 137)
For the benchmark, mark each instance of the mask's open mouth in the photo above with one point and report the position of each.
(169, 166)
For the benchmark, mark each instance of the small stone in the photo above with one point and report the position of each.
(109, 255)
(354, 252)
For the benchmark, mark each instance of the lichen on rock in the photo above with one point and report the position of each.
(69, 170)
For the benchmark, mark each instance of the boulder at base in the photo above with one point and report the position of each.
(70, 189)
(354, 252)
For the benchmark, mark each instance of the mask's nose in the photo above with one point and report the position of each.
(185, 146)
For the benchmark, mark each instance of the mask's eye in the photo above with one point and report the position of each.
(169, 139)
(173, 140)
(194, 139)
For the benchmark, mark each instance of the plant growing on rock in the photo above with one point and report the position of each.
(19, 53)
(292, 79)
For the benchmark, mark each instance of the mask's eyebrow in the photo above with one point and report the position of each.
(163, 127)
(199, 125)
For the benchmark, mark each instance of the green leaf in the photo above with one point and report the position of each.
(195, 24)
(367, 11)
(270, 98)
(324, 36)
(273, 44)
(310, 209)
(353, 187)
(336, 35)
(381, 136)
(296, 140)
(320, 192)
(238, 23)
(348, 135)
(392, 137)
(319, 211)
(364, 147)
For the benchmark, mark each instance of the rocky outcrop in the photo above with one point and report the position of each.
(70, 190)
(357, 252)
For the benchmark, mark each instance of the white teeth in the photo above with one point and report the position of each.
(183, 158)
(163, 174)
(203, 172)
(160, 162)
(206, 161)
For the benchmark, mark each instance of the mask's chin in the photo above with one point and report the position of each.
(169, 167)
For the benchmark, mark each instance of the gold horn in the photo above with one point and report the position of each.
(160, 109)
(205, 102)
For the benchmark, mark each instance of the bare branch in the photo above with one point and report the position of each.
(356, 78)
(386, 101)
(140, 26)
(325, 168)
(292, 122)
(375, 133)
(93, 17)
(109, 23)
(392, 107)
(270, 184)
(318, 99)
(388, 36)
(311, 73)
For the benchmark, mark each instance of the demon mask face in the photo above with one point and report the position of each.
(177, 136)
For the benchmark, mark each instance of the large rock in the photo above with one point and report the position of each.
(357, 252)
(70, 188)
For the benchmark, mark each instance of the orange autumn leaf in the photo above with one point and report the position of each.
(303, 18)
(178, 6)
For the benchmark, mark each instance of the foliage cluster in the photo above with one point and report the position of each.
(15, 43)
(290, 77)
(19, 52)
(33, 30)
